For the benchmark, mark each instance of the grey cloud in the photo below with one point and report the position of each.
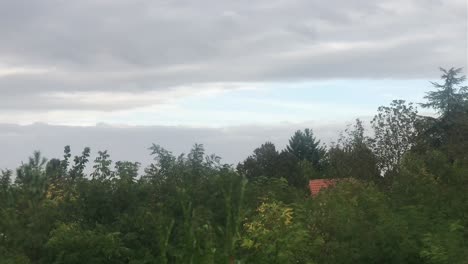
(136, 46)
(131, 143)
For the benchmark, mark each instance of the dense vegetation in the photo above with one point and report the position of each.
(404, 200)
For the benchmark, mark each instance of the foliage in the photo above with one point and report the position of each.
(449, 96)
(261, 163)
(352, 156)
(305, 146)
(274, 236)
(395, 133)
(69, 244)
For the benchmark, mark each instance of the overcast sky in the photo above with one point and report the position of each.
(230, 74)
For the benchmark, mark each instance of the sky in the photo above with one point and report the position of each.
(123, 74)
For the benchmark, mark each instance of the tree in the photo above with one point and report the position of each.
(5, 179)
(395, 132)
(77, 171)
(101, 166)
(352, 157)
(273, 235)
(70, 244)
(232, 188)
(32, 172)
(66, 160)
(261, 163)
(449, 131)
(446, 245)
(124, 190)
(450, 96)
(305, 147)
(355, 224)
(164, 162)
(32, 179)
(293, 170)
(5, 187)
(126, 170)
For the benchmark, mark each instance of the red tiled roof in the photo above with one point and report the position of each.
(316, 185)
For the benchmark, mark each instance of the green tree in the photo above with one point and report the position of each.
(102, 163)
(232, 188)
(70, 244)
(305, 146)
(446, 245)
(296, 172)
(127, 170)
(5, 180)
(261, 163)
(449, 131)
(32, 173)
(450, 96)
(355, 223)
(77, 170)
(394, 133)
(273, 235)
(352, 156)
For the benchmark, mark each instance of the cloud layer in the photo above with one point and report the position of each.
(105, 55)
(233, 144)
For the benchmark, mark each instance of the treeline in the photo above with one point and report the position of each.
(404, 198)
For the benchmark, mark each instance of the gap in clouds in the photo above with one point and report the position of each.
(220, 104)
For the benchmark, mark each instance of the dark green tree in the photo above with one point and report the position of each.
(77, 170)
(262, 163)
(352, 156)
(305, 146)
(449, 131)
(450, 96)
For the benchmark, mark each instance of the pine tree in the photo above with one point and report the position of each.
(450, 96)
(305, 146)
